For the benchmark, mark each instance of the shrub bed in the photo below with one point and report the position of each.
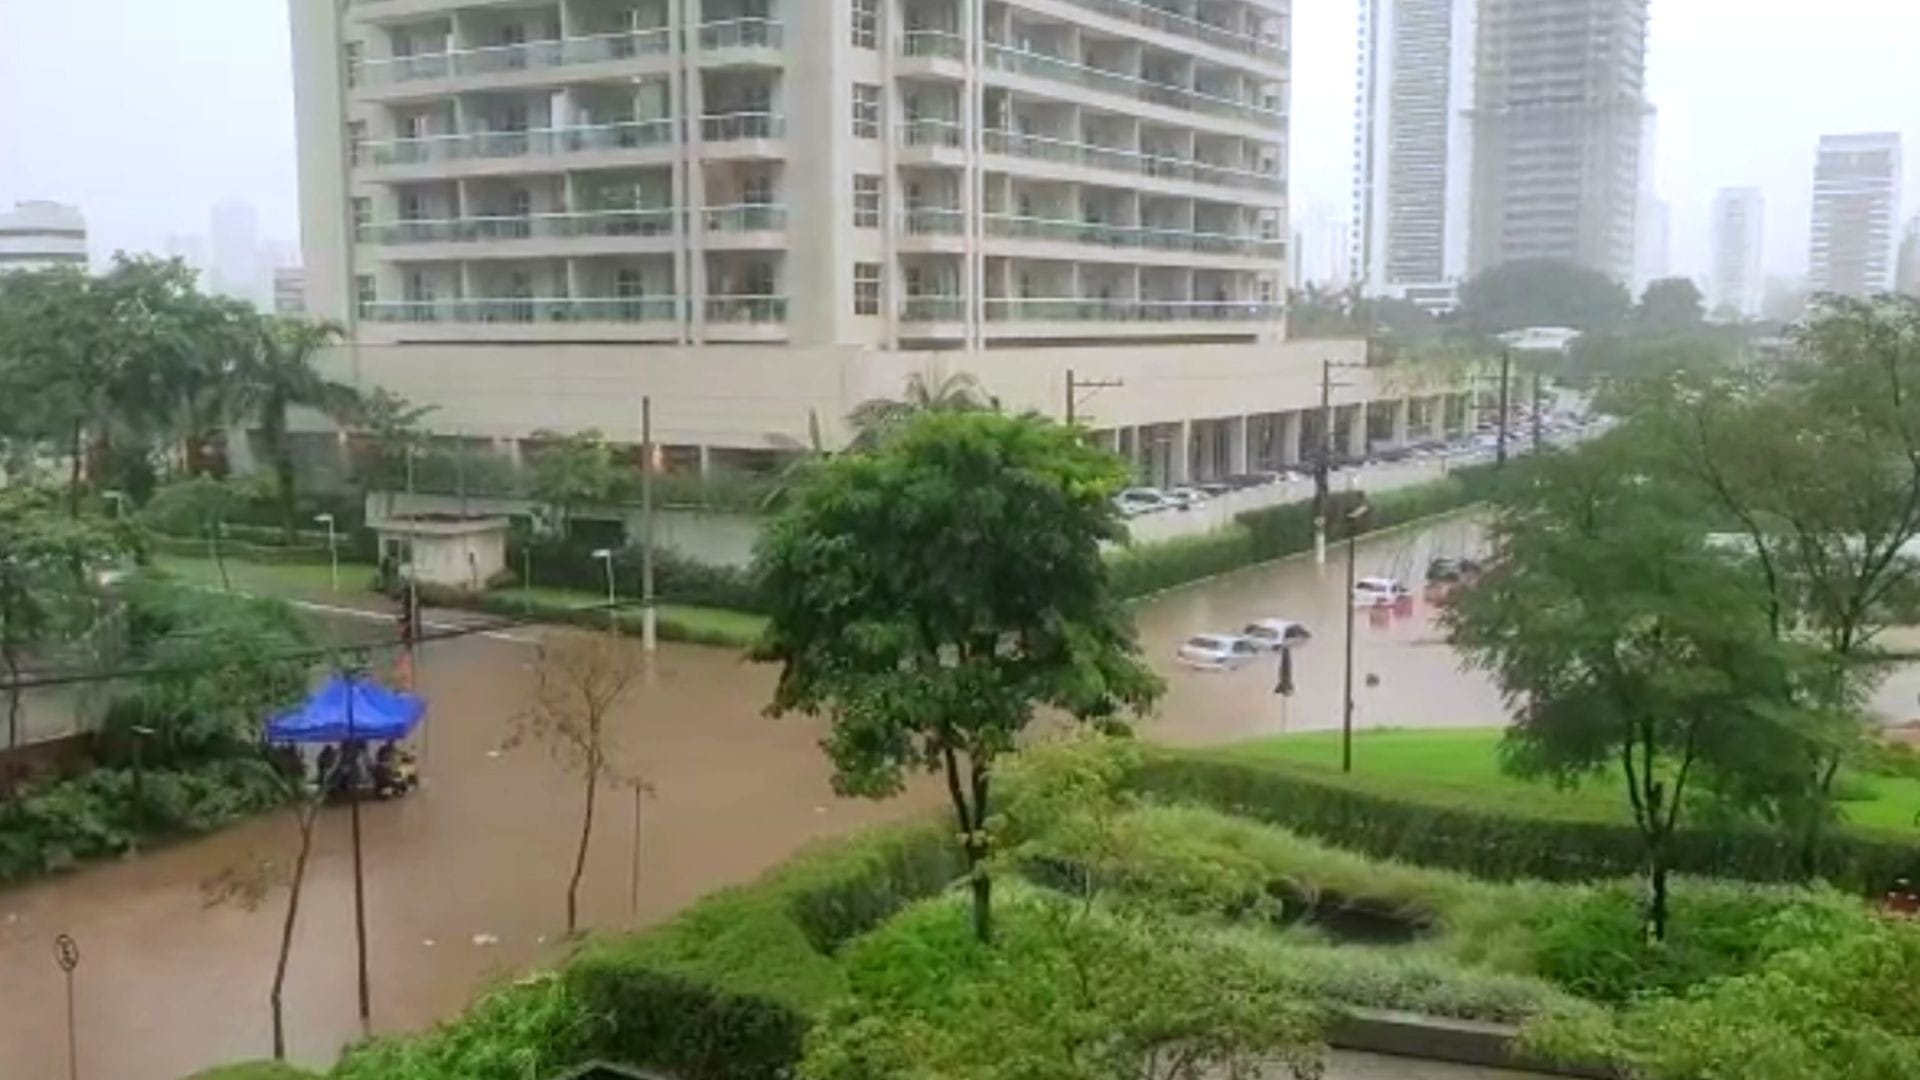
(1499, 843)
(695, 626)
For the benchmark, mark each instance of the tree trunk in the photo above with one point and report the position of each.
(73, 471)
(13, 694)
(580, 858)
(308, 817)
(1657, 902)
(982, 900)
(972, 815)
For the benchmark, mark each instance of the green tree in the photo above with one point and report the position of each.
(277, 377)
(930, 595)
(1319, 312)
(1671, 304)
(1624, 642)
(571, 471)
(393, 428)
(47, 563)
(876, 418)
(1542, 292)
(199, 506)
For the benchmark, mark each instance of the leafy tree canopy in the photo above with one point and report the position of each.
(1542, 292)
(1671, 304)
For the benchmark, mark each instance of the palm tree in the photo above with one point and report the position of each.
(874, 419)
(277, 376)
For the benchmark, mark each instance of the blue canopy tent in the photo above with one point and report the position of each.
(378, 714)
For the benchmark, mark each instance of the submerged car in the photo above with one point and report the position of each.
(1218, 652)
(1272, 634)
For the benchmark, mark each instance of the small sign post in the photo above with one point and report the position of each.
(66, 953)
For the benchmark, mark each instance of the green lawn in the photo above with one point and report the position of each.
(1464, 765)
(300, 581)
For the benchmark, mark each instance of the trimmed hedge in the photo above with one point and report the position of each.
(256, 1070)
(1145, 569)
(569, 564)
(1492, 844)
(724, 991)
(507, 602)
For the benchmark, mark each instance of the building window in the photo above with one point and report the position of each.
(866, 111)
(362, 211)
(866, 202)
(866, 24)
(364, 294)
(866, 288)
(357, 141)
(351, 57)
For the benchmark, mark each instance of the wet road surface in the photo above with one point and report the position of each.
(466, 878)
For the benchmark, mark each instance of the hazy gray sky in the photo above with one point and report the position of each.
(147, 112)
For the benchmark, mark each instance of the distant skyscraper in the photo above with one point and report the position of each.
(1558, 113)
(289, 290)
(41, 235)
(1907, 274)
(1735, 283)
(1411, 144)
(235, 269)
(1856, 208)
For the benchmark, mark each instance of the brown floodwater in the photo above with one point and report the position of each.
(466, 879)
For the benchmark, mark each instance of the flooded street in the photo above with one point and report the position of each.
(466, 878)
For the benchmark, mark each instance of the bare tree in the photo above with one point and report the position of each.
(250, 886)
(580, 679)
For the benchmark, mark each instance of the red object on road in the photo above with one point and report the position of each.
(1403, 604)
(1380, 615)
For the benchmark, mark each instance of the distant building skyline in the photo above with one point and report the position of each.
(1907, 272)
(1736, 281)
(1856, 208)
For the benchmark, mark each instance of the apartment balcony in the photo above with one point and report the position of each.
(742, 43)
(496, 66)
(483, 152)
(745, 318)
(529, 318)
(933, 316)
(933, 229)
(1154, 17)
(1175, 171)
(744, 135)
(1085, 317)
(1127, 243)
(745, 226)
(527, 236)
(933, 141)
(933, 52)
(1057, 69)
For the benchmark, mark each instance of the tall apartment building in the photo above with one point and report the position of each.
(1906, 280)
(1412, 146)
(40, 235)
(1737, 283)
(1558, 128)
(1856, 210)
(758, 210)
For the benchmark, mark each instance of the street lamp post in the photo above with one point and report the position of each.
(333, 550)
(613, 611)
(1346, 703)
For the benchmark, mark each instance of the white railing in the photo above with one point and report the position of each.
(1173, 22)
(1084, 309)
(525, 56)
(530, 309)
(1044, 148)
(736, 126)
(745, 217)
(934, 221)
(533, 142)
(1015, 227)
(1045, 66)
(648, 222)
(742, 34)
(934, 44)
(933, 308)
(933, 131)
(744, 308)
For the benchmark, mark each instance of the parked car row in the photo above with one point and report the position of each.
(1150, 500)
(1229, 652)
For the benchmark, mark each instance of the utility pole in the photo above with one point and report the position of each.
(1075, 385)
(649, 621)
(355, 764)
(1346, 699)
(1536, 411)
(1323, 465)
(1506, 376)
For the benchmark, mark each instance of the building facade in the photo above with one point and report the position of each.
(1736, 285)
(1412, 144)
(1559, 114)
(1907, 275)
(41, 235)
(1856, 212)
(289, 290)
(757, 212)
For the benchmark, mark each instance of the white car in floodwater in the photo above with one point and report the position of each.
(1272, 634)
(1218, 652)
(1369, 591)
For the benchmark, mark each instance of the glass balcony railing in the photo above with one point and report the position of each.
(1083, 309)
(736, 126)
(623, 309)
(742, 34)
(933, 309)
(935, 221)
(1059, 69)
(929, 131)
(1142, 237)
(1173, 22)
(1045, 148)
(527, 56)
(746, 309)
(745, 218)
(534, 142)
(649, 222)
(934, 44)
